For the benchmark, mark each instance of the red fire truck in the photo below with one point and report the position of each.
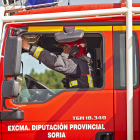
(34, 104)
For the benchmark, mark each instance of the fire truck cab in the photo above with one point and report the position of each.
(34, 103)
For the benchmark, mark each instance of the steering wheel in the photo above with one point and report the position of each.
(36, 94)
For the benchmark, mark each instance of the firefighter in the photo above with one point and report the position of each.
(73, 62)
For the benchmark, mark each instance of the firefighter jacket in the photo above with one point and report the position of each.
(85, 77)
(79, 72)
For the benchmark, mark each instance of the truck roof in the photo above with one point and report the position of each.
(83, 7)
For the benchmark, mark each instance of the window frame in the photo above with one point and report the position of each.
(74, 89)
(116, 52)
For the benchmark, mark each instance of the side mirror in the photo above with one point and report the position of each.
(12, 63)
(9, 89)
(12, 56)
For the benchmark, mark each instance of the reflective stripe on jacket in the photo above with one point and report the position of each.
(87, 78)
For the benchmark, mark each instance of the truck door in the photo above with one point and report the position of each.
(55, 112)
(119, 33)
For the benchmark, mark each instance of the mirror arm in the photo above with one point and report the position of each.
(17, 31)
(8, 108)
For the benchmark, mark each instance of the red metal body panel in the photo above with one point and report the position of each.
(61, 110)
(120, 115)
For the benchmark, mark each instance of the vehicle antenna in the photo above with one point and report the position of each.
(68, 2)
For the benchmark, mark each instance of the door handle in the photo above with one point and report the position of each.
(104, 136)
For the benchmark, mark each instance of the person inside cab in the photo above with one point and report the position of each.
(73, 62)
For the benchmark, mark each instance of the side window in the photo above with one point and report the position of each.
(119, 60)
(40, 83)
(41, 73)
